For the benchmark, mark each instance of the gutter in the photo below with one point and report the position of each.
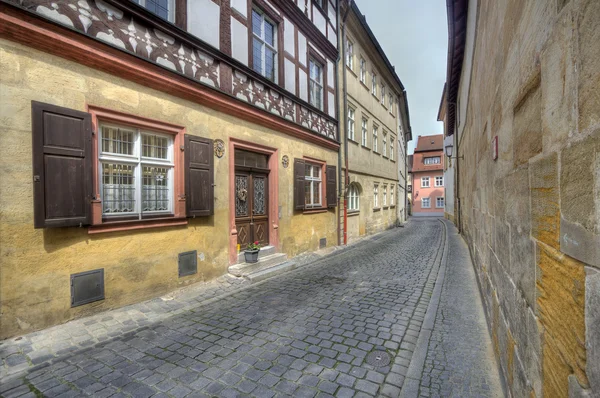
(337, 101)
(342, 57)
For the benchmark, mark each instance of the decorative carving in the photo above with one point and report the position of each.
(242, 194)
(259, 196)
(241, 203)
(285, 161)
(219, 148)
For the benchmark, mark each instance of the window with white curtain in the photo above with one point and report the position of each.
(353, 198)
(316, 84)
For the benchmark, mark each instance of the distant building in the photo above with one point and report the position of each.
(428, 177)
(409, 184)
(448, 165)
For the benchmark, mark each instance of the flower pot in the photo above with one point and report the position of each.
(251, 256)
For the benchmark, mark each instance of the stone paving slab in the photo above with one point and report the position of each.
(303, 333)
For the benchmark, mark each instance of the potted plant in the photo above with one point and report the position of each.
(251, 252)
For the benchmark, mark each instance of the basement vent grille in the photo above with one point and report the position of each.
(322, 243)
(87, 287)
(188, 263)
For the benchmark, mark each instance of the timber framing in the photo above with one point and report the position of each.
(25, 27)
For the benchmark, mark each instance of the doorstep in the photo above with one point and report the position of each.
(269, 264)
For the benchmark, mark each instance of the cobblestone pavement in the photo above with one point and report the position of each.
(460, 360)
(304, 333)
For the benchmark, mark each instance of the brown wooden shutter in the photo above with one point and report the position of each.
(62, 166)
(199, 176)
(331, 187)
(299, 170)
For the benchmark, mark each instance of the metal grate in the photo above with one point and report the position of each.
(188, 263)
(322, 243)
(378, 359)
(87, 287)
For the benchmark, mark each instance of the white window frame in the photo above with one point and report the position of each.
(376, 139)
(426, 200)
(312, 84)
(392, 200)
(376, 196)
(364, 131)
(437, 202)
(392, 148)
(314, 180)
(171, 16)
(385, 195)
(391, 104)
(138, 162)
(432, 160)
(363, 70)
(264, 45)
(441, 181)
(382, 94)
(374, 84)
(425, 182)
(384, 144)
(350, 54)
(351, 124)
(353, 198)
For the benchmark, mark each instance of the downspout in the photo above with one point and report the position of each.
(337, 103)
(457, 178)
(408, 131)
(344, 77)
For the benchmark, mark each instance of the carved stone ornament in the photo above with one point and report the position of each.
(242, 194)
(285, 161)
(219, 148)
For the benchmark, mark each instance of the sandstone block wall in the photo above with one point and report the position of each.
(532, 217)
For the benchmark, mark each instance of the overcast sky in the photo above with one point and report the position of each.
(414, 36)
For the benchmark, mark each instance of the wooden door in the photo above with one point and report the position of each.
(252, 207)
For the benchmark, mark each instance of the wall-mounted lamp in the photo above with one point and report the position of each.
(449, 148)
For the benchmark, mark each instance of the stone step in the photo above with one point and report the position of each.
(271, 272)
(244, 269)
(264, 252)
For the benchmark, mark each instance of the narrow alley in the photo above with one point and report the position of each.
(367, 320)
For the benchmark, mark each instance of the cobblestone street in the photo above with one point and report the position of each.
(306, 333)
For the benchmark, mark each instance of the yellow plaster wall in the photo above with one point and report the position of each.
(36, 264)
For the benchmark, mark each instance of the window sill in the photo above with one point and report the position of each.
(364, 85)
(117, 226)
(385, 157)
(375, 95)
(316, 210)
(352, 141)
(376, 209)
(392, 207)
(351, 71)
(385, 207)
(366, 147)
(353, 213)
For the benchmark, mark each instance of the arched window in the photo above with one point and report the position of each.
(353, 198)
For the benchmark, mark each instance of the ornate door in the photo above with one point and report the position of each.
(252, 207)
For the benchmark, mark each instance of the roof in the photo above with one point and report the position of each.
(429, 143)
(457, 32)
(410, 162)
(363, 21)
(442, 107)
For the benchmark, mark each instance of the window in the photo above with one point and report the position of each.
(391, 104)
(363, 70)
(432, 160)
(316, 84)
(312, 185)
(424, 182)
(264, 45)
(349, 54)
(439, 181)
(353, 198)
(385, 195)
(374, 84)
(392, 148)
(351, 124)
(375, 140)
(392, 199)
(365, 131)
(384, 144)
(163, 8)
(425, 203)
(439, 203)
(136, 172)
(382, 94)
(376, 196)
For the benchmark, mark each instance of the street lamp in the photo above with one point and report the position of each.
(449, 147)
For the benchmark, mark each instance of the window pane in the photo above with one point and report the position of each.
(159, 7)
(155, 188)
(256, 23)
(317, 192)
(257, 55)
(119, 141)
(270, 34)
(307, 170)
(154, 146)
(307, 199)
(269, 64)
(316, 172)
(118, 188)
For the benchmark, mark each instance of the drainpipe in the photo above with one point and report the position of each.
(345, 94)
(457, 181)
(337, 104)
(408, 131)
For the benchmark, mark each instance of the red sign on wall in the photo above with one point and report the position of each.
(495, 148)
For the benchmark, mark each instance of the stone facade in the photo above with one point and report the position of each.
(376, 131)
(73, 72)
(530, 77)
